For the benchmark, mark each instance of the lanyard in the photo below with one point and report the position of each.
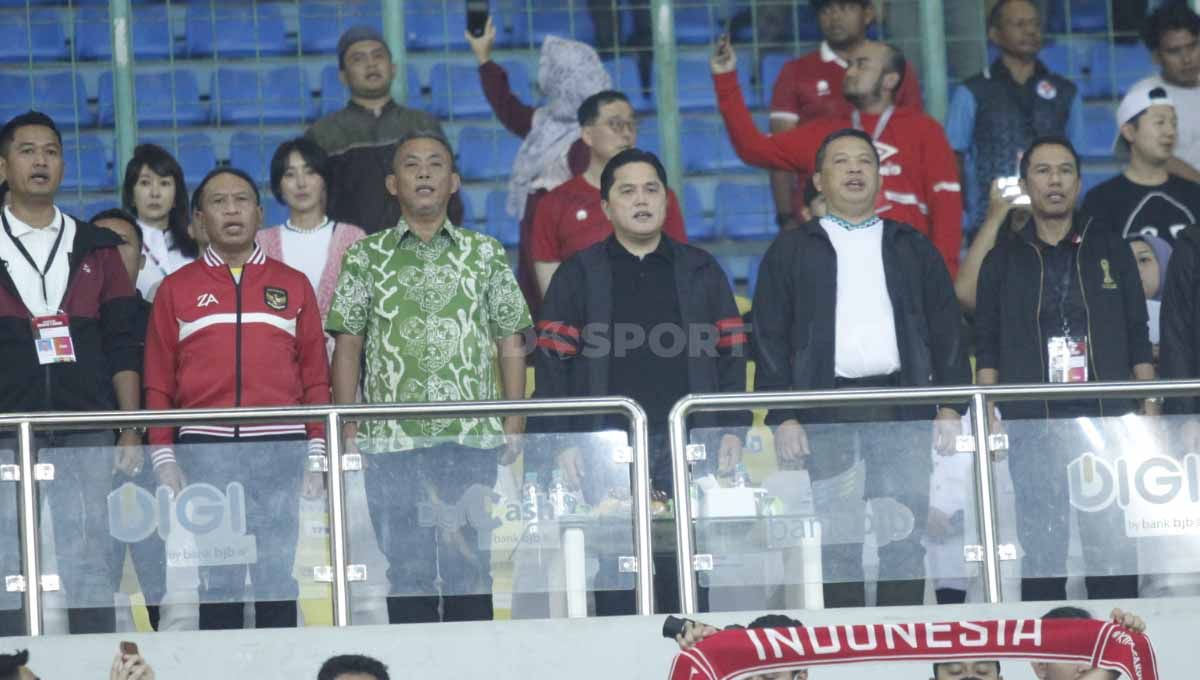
(884, 119)
(45, 269)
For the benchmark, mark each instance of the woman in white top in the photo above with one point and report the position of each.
(308, 240)
(154, 191)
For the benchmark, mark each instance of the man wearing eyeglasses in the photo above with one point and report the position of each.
(569, 218)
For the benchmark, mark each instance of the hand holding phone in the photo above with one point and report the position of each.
(477, 16)
(724, 59)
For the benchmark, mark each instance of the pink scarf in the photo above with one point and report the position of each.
(741, 653)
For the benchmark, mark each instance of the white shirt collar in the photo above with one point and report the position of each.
(828, 55)
(20, 228)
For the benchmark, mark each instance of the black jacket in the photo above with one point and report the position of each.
(572, 359)
(101, 306)
(1009, 338)
(794, 314)
(1179, 323)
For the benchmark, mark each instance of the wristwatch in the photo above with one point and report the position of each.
(1157, 401)
(139, 430)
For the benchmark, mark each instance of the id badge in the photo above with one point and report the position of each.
(1068, 359)
(52, 339)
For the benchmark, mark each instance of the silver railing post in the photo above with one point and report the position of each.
(684, 546)
(985, 498)
(30, 539)
(337, 521)
(641, 511)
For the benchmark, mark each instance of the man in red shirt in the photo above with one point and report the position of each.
(919, 169)
(810, 88)
(569, 218)
(235, 328)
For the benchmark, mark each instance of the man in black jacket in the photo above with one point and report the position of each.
(853, 300)
(1179, 327)
(1061, 301)
(643, 316)
(67, 312)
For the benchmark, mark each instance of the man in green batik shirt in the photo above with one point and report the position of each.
(431, 306)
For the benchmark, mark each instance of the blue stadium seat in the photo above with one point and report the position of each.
(625, 77)
(772, 66)
(251, 95)
(1086, 16)
(322, 23)
(706, 147)
(802, 22)
(60, 95)
(334, 94)
(274, 212)
(736, 267)
(1117, 67)
(1091, 178)
(696, 25)
(1100, 131)
(36, 35)
(162, 99)
(647, 137)
(696, 86)
(469, 216)
(455, 89)
(153, 35)
(550, 17)
(88, 164)
(435, 25)
(500, 224)
(486, 153)
(700, 227)
(752, 275)
(252, 153)
(235, 30)
(83, 210)
(196, 153)
(745, 211)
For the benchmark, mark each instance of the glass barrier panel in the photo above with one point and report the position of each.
(873, 513)
(1106, 506)
(247, 524)
(453, 530)
(12, 605)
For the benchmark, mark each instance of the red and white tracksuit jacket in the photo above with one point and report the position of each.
(214, 342)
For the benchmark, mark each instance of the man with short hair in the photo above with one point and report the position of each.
(1061, 302)
(920, 179)
(643, 316)
(1145, 199)
(978, 669)
(352, 667)
(570, 218)
(809, 88)
(996, 114)
(854, 300)
(67, 311)
(236, 328)
(360, 137)
(432, 309)
(1172, 34)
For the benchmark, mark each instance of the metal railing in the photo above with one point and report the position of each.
(27, 423)
(979, 398)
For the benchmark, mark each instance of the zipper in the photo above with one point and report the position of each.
(73, 262)
(1037, 317)
(1087, 312)
(237, 346)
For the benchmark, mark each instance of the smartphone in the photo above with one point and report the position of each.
(129, 648)
(477, 16)
(1011, 187)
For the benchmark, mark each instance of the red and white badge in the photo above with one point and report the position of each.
(52, 339)
(1068, 359)
(1046, 90)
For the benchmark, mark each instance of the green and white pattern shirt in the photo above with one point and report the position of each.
(432, 313)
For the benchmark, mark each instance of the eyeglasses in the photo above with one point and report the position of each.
(619, 125)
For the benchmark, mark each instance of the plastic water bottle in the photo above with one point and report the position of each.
(741, 478)
(561, 500)
(529, 501)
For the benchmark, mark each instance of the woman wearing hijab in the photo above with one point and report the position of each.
(552, 153)
(1152, 254)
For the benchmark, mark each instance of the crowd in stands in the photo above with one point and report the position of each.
(372, 291)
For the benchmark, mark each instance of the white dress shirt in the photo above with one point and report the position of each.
(307, 250)
(161, 259)
(38, 243)
(865, 330)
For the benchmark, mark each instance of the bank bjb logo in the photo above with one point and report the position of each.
(209, 526)
(1160, 495)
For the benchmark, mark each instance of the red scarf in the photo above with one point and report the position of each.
(735, 654)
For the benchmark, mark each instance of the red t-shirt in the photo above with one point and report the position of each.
(569, 219)
(810, 88)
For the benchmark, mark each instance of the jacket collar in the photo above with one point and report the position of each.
(212, 259)
(448, 228)
(665, 249)
(828, 55)
(1074, 235)
(997, 70)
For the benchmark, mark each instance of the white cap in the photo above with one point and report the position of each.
(1139, 98)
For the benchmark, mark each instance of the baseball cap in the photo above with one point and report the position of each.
(1139, 98)
(356, 34)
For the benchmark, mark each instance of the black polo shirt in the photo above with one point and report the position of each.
(645, 303)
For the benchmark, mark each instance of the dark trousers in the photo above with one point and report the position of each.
(270, 470)
(148, 554)
(427, 510)
(77, 498)
(1040, 452)
(893, 443)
